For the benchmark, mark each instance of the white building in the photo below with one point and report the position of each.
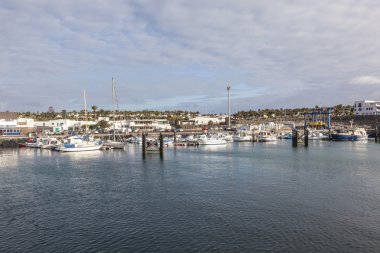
(59, 125)
(205, 120)
(8, 123)
(367, 107)
(25, 122)
(148, 124)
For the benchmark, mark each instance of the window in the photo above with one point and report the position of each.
(360, 105)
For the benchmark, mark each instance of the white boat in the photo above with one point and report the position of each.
(79, 143)
(361, 134)
(114, 143)
(242, 136)
(50, 143)
(313, 135)
(265, 136)
(36, 143)
(168, 141)
(210, 140)
(228, 137)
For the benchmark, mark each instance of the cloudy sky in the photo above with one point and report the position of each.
(182, 54)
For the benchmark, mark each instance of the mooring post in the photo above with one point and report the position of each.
(294, 138)
(377, 134)
(161, 145)
(306, 140)
(253, 137)
(175, 137)
(143, 145)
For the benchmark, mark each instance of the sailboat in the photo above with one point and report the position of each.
(113, 142)
(80, 143)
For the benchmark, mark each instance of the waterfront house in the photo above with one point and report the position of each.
(367, 107)
(8, 124)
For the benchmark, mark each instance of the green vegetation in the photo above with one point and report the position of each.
(179, 115)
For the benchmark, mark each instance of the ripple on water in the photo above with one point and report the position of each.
(236, 198)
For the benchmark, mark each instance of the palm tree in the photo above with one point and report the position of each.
(94, 108)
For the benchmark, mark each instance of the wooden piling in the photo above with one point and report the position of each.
(143, 145)
(294, 138)
(306, 136)
(161, 145)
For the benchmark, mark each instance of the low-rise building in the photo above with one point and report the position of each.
(8, 124)
(59, 125)
(206, 120)
(149, 125)
(367, 107)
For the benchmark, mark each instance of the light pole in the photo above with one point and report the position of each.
(229, 107)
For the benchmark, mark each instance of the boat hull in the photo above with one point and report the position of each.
(115, 144)
(344, 137)
(79, 149)
(242, 139)
(212, 142)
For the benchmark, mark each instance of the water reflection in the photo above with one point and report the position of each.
(9, 157)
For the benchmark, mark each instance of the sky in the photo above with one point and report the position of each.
(181, 55)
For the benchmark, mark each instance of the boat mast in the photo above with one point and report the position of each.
(85, 110)
(229, 107)
(113, 106)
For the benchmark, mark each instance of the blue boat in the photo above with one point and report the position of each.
(343, 137)
(350, 135)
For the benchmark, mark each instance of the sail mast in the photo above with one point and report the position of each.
(85, 109)
(113, 105)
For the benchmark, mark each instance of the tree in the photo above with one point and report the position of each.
(103, 124)
(64, 114)
(94, 108)
(51, 110)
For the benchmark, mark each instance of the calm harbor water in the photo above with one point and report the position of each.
(235, 198)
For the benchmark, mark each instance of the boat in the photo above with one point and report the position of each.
(210, 140)
(79, 143)
(355, 134)
(286, 136)
(265, 136)
(33, 143)
(113, 143)
(168, 141)
(314, 135)
(242, 136)
(49, 143)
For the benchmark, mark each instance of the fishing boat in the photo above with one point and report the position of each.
(210, 140)
(355, 134)
(113, 143)
(265, 136)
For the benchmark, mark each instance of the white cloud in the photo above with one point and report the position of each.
(293, 49)
(366, 80)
